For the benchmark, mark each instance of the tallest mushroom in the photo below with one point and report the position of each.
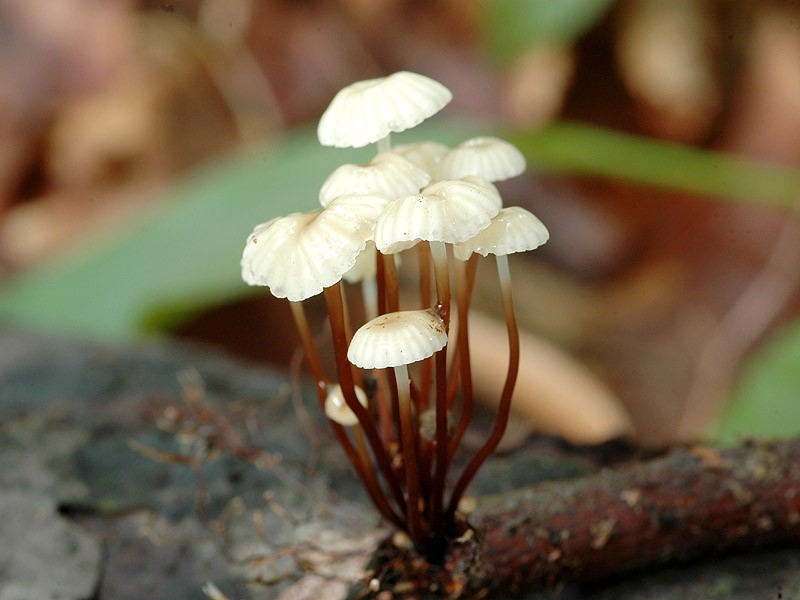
(367, 112)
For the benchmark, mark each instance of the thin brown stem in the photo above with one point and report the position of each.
(408, 434)
(391, 283)
(391, 380)
(463, 291)
(389, 301)
(383, 402)
(504, 408)
(442, 276)
(301, 322)
(425, 462)
(359, 460)
(424, 256)
(371, 482)
(348, 325)
(455, 368)
(333, 297)
(425, 302)
(439, 255)
(380, 277)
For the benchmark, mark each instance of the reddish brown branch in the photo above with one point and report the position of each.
(688, 506)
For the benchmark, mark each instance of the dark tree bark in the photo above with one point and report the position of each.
(690, 505)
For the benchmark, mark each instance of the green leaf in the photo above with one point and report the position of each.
(766, 402)
(574, 148)
(510, 26)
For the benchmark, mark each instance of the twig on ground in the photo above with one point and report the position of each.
(690, 505)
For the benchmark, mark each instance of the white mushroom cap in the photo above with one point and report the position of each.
(367, 111)
(488, 157)
(300, 254)
(426, 155)
(336, 408)
(513, 229)
(396, 339)
(446, 211)
(388, 174)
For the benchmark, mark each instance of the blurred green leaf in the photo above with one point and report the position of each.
(510, 26)
(185, 255)
(574, 148)
(766, 402)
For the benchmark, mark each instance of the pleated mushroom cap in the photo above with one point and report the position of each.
(446, 211)
(367, 111)
(513, 229)
(388, 174)
(398, 338)
(488, 157)
(336, 408)
(299, 255)
(426, 155)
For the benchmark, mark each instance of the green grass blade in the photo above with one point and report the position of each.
(574, 148)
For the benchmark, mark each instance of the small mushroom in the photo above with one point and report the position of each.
(446, 211)
(368, 111)
(397, 340)
(491, 158)
(336, 408)
(513, 229)
(426, 154)
(388, 174)
(299, 255)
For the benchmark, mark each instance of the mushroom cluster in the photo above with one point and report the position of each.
(438, 205)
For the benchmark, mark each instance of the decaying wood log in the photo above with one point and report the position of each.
(690, 505)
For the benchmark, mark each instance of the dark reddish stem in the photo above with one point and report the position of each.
(391, 285)
(417, 530)
(333, 297)
(301, 322)
(391, 303)
(439, 255)
(425, 302)
(359, 460)
(383, 400)
(465, 276)
(380, 276)
(504, 407)
(387, 392)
